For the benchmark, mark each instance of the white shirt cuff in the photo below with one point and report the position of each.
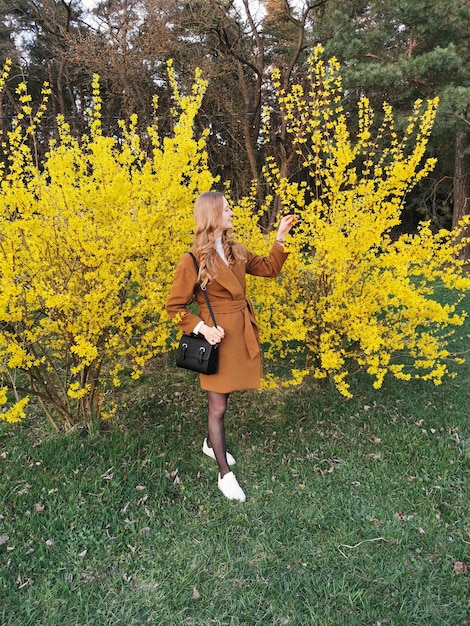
(198, 327)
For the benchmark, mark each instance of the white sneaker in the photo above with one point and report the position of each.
(229, 486)
(210, 452)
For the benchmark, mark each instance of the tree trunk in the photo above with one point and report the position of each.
(462, 185)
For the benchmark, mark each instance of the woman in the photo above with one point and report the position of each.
(223, 264)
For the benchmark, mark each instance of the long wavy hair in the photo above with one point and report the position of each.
(208, 210)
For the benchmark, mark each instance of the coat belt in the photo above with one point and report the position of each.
(249, 324)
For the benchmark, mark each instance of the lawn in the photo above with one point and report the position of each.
(357, 511)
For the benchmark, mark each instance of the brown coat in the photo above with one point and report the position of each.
(239, 351)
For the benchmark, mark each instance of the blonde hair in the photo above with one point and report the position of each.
(208, 210)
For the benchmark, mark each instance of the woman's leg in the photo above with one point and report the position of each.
(227, 482)
(217, 404)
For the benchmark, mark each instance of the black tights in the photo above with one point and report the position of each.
(215, 428)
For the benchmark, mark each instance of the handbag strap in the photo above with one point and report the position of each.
(203, 289)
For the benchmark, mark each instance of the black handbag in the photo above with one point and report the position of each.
(194, 351)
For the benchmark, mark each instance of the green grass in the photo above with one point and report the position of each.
(356, 511)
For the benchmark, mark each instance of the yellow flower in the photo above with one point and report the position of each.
(349, 297)
(86, 265)
(17, 412)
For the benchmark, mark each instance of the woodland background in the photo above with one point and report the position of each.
(394, 50)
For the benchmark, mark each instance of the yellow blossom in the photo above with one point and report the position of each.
(86, 264)
(349, 296)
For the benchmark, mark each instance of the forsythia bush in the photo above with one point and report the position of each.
(351, 297)
(88, 243)
(90, 236)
